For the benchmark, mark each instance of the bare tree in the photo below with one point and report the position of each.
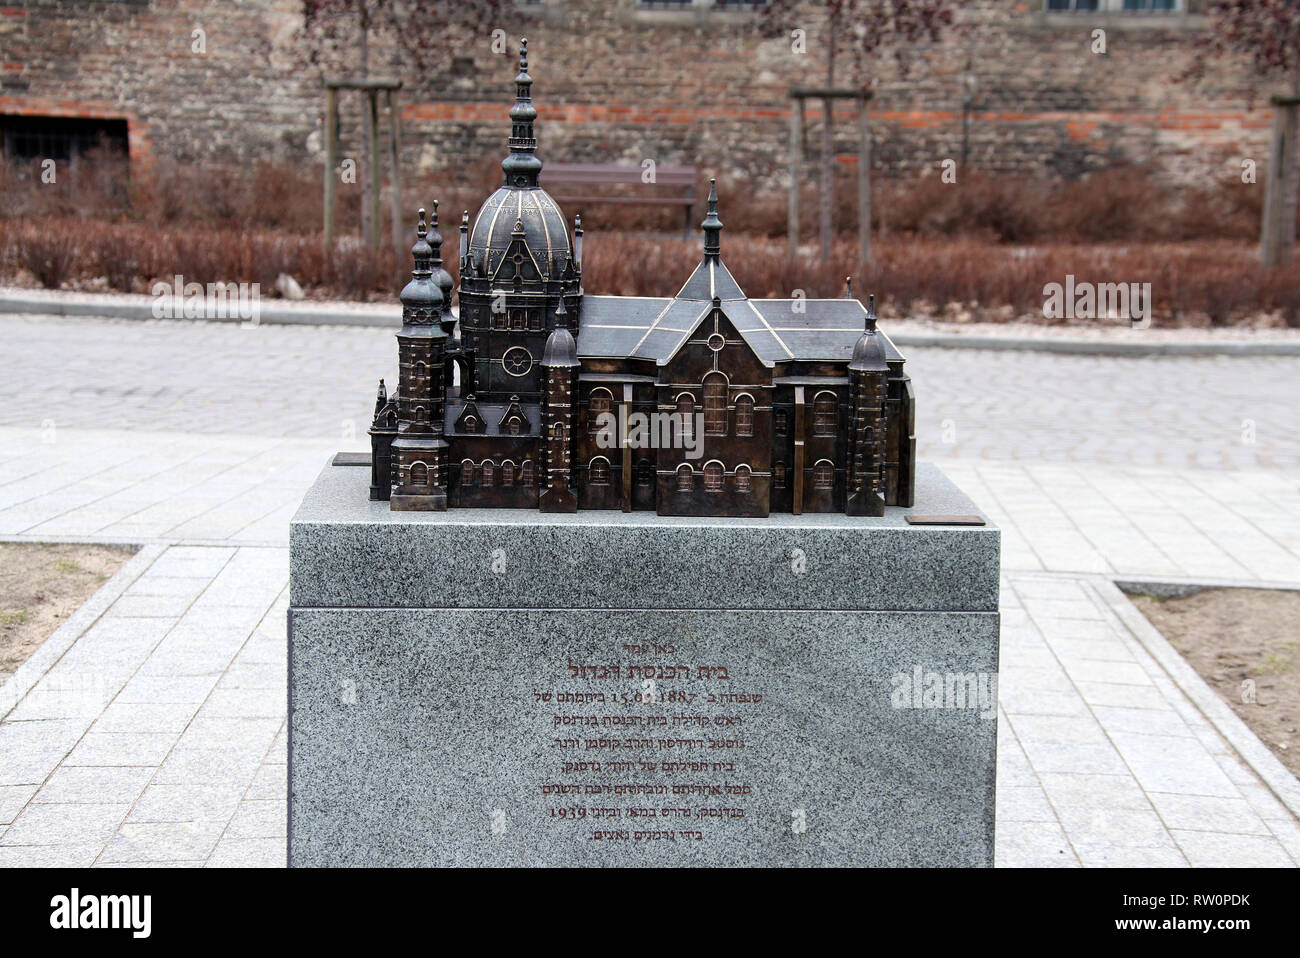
(337, 37)
(854, 35)
(1267, 34)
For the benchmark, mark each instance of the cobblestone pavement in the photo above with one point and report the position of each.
(151, 729)
(319, 382)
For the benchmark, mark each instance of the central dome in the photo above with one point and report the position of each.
(545, 232)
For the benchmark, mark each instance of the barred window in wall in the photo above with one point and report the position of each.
(685, 478)
(742, 479)
(598, 474)
(713, 477)
(518, 318)
(419, 474)
(778, 475)
(823, 475)
(489, 472)
(780, 422)
(467, 472)
(715, 405)
(526, 474)
(507, 473)
(744, 416)
(824, 414)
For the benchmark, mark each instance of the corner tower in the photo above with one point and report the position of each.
(419, 451)
(868, 373)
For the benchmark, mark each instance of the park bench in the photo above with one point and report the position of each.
(672, 186)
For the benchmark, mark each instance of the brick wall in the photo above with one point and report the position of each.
(618, 82)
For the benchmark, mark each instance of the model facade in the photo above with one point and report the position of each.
(706, 403)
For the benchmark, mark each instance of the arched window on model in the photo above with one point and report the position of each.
(507, 473)
(514, 425)
(419, 474)
(685, 478)
(467, 472)
(518, 318)
(498, 319)
(557, 431)
(743, 476)
(778, 475)
(598, 472)
(535, 320)
(823, 474)
(825, 408)
(526, 474)
(780, 422)
(489, 472)
(715, 404)
(419, 414)
(744, 415)
(713, 476)
(686, 416)
(598, 405)
(645, 473)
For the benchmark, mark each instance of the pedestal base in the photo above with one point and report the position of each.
(497, 688)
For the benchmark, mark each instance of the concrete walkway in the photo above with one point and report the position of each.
(150, 729)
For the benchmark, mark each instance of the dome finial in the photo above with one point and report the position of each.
(421, 298)
(522, 165)
(422, 252)
(712, 225)
(871, 311)
(848, 287)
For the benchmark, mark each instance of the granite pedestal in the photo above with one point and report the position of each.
(500, 687)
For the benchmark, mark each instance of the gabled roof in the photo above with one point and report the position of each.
(711, 280)
(778, 330)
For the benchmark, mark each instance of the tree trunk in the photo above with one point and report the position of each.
(1277, 234)
(828, 150)
(369, 232)
(864, 183)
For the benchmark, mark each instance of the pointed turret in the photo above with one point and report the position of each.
(561, 348)
(421, 298)
(560, 360)
(441, 278)
(869, 352)
(712, 226)
(464, 240)
(711, 281)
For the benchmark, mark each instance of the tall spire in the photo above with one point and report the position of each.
(712, 226)
(522, 165)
